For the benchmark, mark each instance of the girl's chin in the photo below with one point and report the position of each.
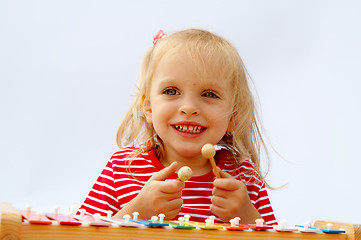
(186, 149)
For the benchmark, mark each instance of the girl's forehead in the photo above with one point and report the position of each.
(204, 69)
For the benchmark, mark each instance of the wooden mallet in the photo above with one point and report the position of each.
(208, 151)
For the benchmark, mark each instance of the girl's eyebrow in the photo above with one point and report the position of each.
(216, 86)
(167, 80)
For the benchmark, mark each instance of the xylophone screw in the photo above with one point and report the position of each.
(56, 211)
(154, 219)
(259, 222)
(135, 216)
(161, 217)
(28, 210)
(109, 214)
(329, 226)
(283, 224)
(181, 221)
(212, 219)
(82, 213)
(208, 222)
(126, 218)
(38, 216)
(237, 219)
(233, 222)
(186, 218)
(307, 225)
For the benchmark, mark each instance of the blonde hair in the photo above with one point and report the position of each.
(207, 51)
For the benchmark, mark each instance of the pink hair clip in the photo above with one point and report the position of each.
(159, 35)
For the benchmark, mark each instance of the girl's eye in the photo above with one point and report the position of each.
(170, 91)
(210, 94)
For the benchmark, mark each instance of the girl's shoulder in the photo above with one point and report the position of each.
(132, 154)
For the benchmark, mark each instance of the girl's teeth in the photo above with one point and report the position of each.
(189, 129)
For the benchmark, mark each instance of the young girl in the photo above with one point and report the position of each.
(192, 91)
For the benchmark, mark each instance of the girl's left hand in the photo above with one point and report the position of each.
(230, 199)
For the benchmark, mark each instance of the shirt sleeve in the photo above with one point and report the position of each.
(102, 196)
(257, 192)
(264, 207)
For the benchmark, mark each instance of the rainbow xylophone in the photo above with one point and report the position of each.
(14, 226)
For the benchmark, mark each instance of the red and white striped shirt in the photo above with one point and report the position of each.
(120, 182)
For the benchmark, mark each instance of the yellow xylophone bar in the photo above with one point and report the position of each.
(12, 228)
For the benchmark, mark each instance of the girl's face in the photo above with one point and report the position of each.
(187, 111)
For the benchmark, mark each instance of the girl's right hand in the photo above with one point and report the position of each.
(157, 196)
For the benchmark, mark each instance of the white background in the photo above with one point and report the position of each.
(68, 70)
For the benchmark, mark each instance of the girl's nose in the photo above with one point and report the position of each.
(189, 109)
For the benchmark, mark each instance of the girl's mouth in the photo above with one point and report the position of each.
(189, 129)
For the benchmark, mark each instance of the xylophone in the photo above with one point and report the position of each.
(60, 227)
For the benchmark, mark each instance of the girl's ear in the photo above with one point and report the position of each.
(230, 125)
(147, 109)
